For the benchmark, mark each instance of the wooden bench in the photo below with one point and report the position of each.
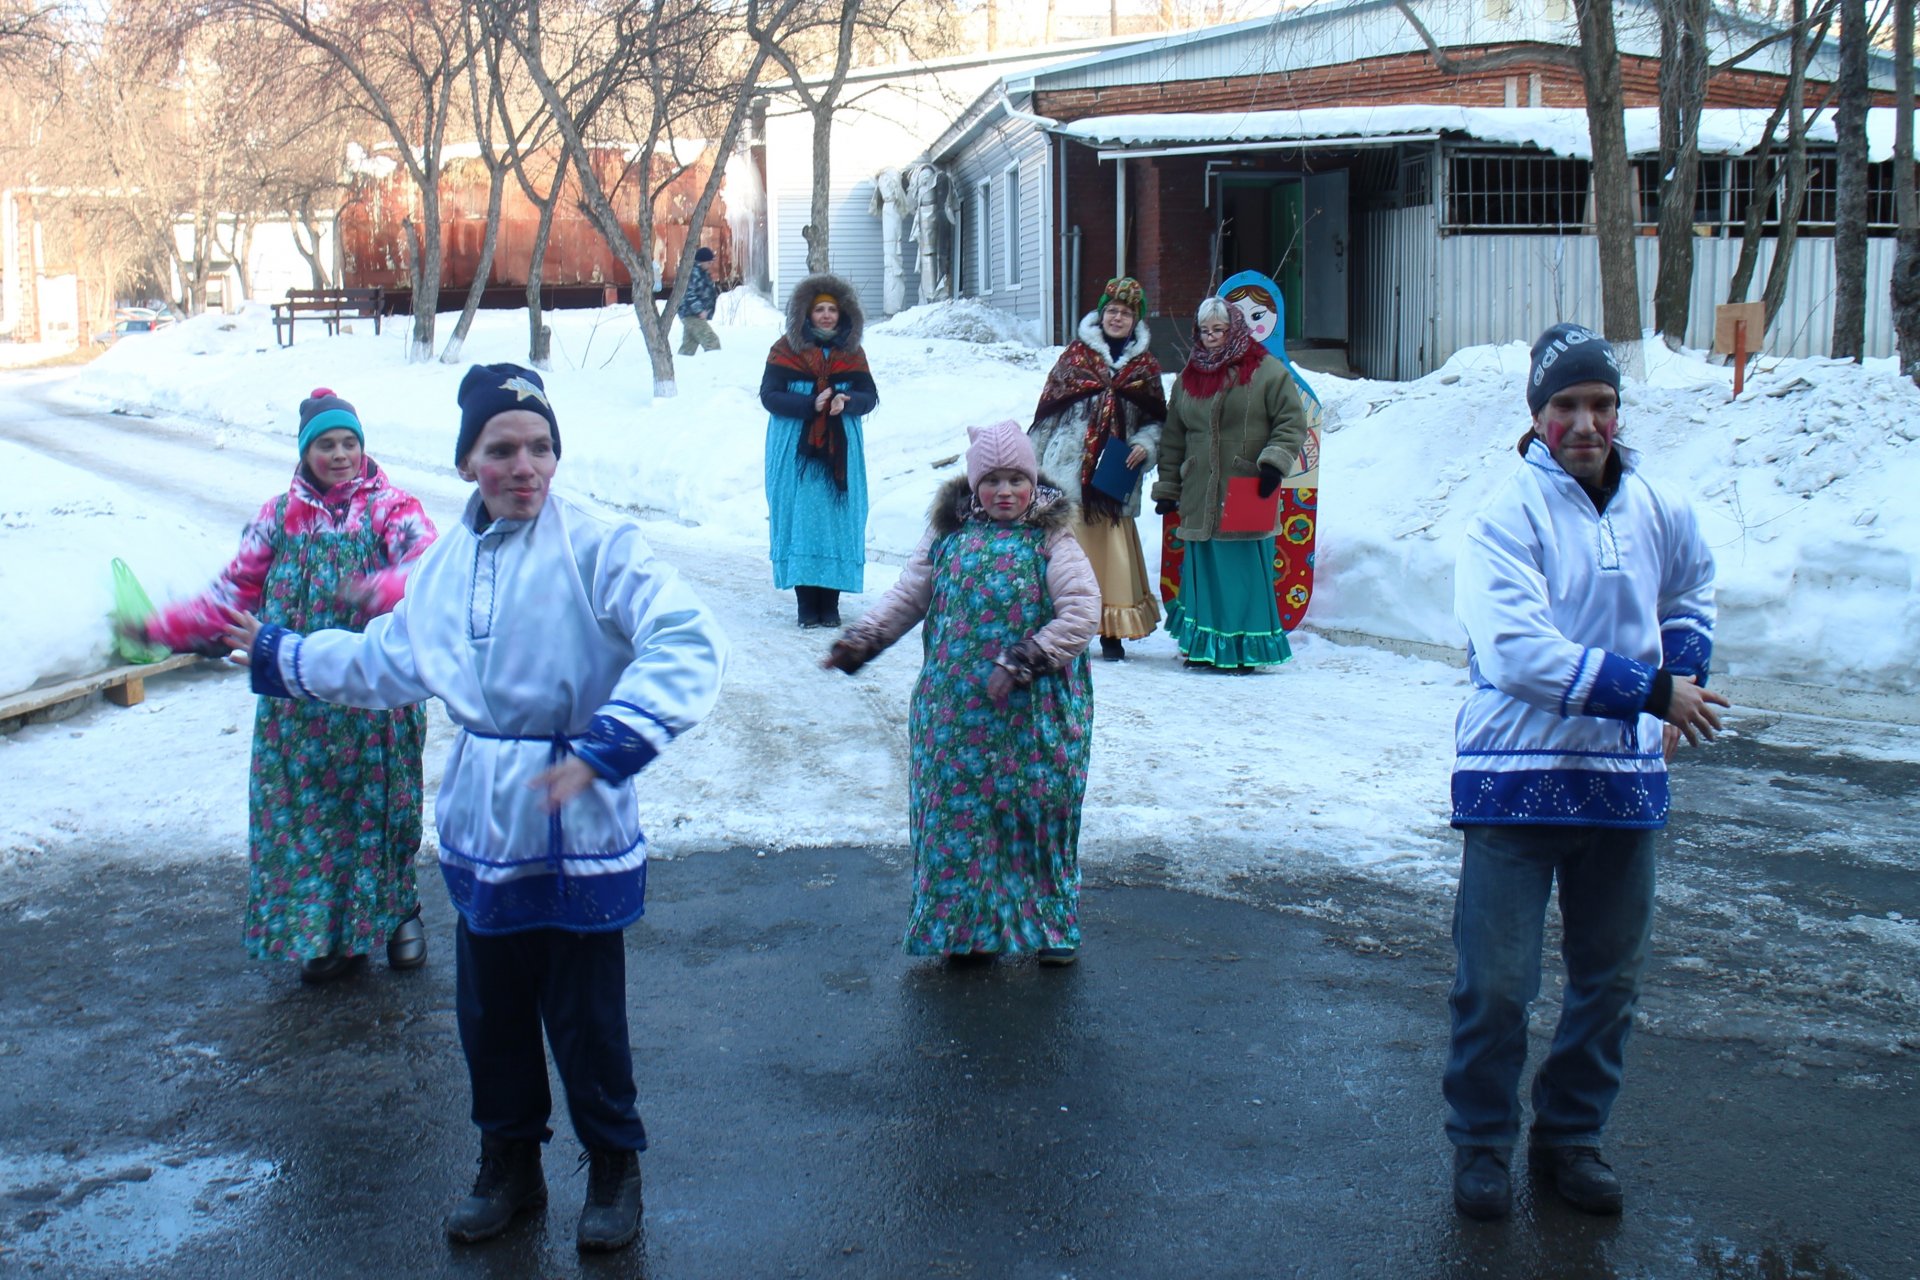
(124, 685)
(329, 306)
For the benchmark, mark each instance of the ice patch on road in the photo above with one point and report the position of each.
(124, 1213)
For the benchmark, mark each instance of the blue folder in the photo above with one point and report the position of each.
(1111, 475)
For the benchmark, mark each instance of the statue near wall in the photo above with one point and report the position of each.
(893, 205)
(933, 215)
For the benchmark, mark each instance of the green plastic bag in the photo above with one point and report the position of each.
(131, 609)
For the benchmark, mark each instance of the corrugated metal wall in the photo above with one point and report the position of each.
(1507, 288)
(1393, 317)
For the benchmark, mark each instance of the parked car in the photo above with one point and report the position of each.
(122, 327)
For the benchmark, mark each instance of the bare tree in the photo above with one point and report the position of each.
(1599, 57)
(1906, 256)
(819, 99)
(1774, 182)
(1850, 214)
(1683, 94)
(406, 64)
(664, 69)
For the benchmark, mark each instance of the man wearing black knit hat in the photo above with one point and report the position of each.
(1586, 592)
(570, 657)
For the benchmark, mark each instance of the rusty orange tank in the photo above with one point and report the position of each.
(579, 269)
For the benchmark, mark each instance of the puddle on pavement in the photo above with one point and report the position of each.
(123, 1211)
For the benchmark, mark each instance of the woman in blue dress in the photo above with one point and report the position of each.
(817, 391)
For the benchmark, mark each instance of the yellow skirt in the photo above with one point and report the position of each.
(1128, 608)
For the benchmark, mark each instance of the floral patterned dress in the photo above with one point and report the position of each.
(334, 806)
(995, 793)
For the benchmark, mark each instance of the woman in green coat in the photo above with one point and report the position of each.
(1234, 412)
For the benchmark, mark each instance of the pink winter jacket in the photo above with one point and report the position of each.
(397, 519)
(1070, 582)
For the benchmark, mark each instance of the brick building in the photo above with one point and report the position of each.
(1410, 199)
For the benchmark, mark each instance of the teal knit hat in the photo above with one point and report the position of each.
(322, 411)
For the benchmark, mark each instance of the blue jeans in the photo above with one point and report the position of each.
(1499, 920)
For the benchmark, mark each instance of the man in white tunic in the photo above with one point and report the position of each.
(569, 657)
(1587, 596)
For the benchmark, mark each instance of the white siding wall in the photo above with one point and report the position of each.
(991, 158)
(882, 127)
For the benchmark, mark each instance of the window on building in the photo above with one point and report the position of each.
(1010, 191)
(1507, 191)
(1726, 188)
(982, 236)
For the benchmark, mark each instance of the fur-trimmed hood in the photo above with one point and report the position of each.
(853, 321)
(1091, 334)
(955, 504)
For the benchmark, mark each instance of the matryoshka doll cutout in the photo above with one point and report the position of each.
(1259, 300)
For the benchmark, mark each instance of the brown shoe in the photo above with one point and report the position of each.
(407, 948)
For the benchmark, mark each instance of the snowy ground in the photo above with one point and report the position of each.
(1339, 759)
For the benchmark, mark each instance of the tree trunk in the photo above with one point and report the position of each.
(308, 248)
(815, 233)
(1850, 217)
(243, 253)
(1766, 176)
(539, 336)
(428, 244)
(1906, 257)
(1683, 89)
(496, 192)
(1795, 197)
(1612, 179)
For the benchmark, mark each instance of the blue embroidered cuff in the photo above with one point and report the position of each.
(1686, 651)
(615, 751)
(263, 662)
(1620, 689)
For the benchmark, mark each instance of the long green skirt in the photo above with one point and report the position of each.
(1225, 615)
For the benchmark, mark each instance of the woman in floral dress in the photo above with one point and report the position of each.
(1001, 720)
(334, 797)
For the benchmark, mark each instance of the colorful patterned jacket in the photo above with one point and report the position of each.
(396, 517)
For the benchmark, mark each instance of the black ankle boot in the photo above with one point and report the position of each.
(1111, 649)
(827, 604)
(610, 1219)
(509, 1183)
(808, 608)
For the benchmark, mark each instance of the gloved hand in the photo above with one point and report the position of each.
(999, 685)
(1270, 478)
(1166, 507)
(846, 655)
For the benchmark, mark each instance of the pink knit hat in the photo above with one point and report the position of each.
(1004, 444)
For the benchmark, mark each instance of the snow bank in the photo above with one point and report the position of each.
(60, 530)
(1799, 483)
(963, 320)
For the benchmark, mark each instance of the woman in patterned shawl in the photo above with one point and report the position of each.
(817, 392)
(1001, 721)
(1106, 387)
(334, 797)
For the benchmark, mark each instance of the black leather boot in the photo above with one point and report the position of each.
(1482, 1187)
(827, 606)
(509, 1183)
(808, 607)
(610, 1219)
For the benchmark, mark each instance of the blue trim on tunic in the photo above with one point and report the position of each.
(615, 751)
(1686, 646)
(1619, 689)
(263, 664)
(578, 904)
(1564, 797)
(817, 534)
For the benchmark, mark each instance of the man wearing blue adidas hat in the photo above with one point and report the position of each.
(1586, 592)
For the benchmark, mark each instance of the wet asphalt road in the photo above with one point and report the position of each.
(1225, 1086)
